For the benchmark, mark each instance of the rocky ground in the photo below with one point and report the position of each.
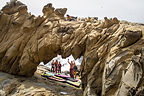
(11, 85)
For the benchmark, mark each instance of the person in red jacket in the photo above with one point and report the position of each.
(56, 66)
(68, 18)
(59, 67)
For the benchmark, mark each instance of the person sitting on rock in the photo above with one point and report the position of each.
(73, 18)
(68, 17)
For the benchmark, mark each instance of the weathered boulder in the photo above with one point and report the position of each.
(112, 50)
(48, 9)
(61, 12)
(52, 13)
(12, 7)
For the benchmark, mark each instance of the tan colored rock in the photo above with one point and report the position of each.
(12, 7)
(48, 9)
(61, 12)
(112, 50)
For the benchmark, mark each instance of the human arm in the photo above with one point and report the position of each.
(68, 61)
(52, 62)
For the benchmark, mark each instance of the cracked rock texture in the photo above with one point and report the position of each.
(113, 50)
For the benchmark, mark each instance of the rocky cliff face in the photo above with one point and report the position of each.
(113, 51)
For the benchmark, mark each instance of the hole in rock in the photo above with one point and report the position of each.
(59, 82)
(61, 79)
(65, 66)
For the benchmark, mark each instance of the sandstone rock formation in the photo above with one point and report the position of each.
(113, 51)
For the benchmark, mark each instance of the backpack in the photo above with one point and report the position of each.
(75, 68)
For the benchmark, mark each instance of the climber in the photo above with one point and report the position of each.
(74, 70)
(52, 66)
(71, 69)
(59, 67)
(73, 18)
(68, 17)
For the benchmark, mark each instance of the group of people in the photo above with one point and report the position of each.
(87, 19)
(71, 18)
(56, 66)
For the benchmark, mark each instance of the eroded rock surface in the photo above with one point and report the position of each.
(113, 51)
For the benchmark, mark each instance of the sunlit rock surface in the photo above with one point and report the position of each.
(113, 50)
